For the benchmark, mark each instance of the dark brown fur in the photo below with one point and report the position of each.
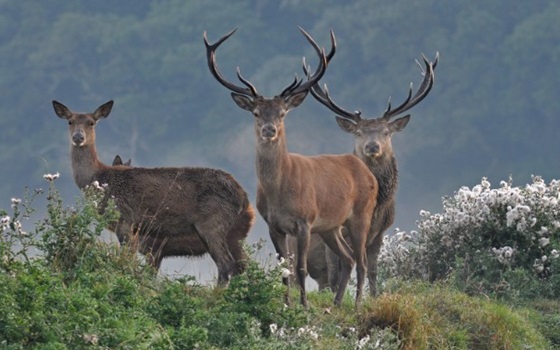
(174, 211)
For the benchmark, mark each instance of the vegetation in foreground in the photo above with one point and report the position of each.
(62, 288)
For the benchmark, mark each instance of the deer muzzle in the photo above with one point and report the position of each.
(78, 138)
(372, 149)
(269, 132)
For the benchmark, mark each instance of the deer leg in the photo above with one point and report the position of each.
(372, 254)
(239, 256)
(303, 234)
(213, 233)
(317, 262)
(358, 230)
(338, 245)
(279, 240)
(333, 268)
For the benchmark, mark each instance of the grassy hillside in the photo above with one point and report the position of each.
(62, 288)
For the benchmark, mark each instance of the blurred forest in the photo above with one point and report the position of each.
(493, 110)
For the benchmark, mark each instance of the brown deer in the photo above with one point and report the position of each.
(302, 195)
(174, 211)
(373, 146)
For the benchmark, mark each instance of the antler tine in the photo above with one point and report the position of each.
(292, 86)
(333, 47)
(324, 97)
(422, 92)
(318, 73)
(247, 83)
(211, 59)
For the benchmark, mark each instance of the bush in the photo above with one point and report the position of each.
(62, 288)
(502, 241)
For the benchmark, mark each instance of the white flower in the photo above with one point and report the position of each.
(362, 342)
(554, 253)
(96, 185)
(4, 222)
(19, 228)
(15, 202)
(286, 273)
(91, 338)
(51, 177)
(273, 328)
(543, 242)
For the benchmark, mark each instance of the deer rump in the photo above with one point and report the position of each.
(180, 211)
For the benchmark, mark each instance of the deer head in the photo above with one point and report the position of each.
(269, 112)
(82, 125)
(373, 135)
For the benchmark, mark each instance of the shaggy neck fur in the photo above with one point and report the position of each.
(386, 173)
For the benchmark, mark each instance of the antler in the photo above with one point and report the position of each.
(323, 95)
(297, 85)
(422, 92)
(211, 58)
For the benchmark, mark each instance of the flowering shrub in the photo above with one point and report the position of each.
(492, 240)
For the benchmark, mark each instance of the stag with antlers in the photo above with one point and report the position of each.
(374, 147)
(303, 195)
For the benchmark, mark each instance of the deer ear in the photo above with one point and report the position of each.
(61, 110)
(103, 110)
(347, 125)
(399, 124)
(292, 101)
(117, 160)
(244, 102)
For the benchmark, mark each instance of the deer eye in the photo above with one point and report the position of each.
(69, 122)
(256, 114)
(92, 123)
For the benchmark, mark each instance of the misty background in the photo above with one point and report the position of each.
(493, 111)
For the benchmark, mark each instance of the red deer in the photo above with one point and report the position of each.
(303, 195)
(373, 146)
(183, 211)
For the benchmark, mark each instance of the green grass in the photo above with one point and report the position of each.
(434, 316)
(79, 293)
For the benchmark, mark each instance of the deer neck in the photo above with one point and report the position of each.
(272, 162)
(85, 165)
(385, 171)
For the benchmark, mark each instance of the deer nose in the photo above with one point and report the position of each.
(268, 131)
(78, 138)
(372, 149)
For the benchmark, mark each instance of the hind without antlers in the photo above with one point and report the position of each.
(174, 211)
(301, 195)
(374, 147)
